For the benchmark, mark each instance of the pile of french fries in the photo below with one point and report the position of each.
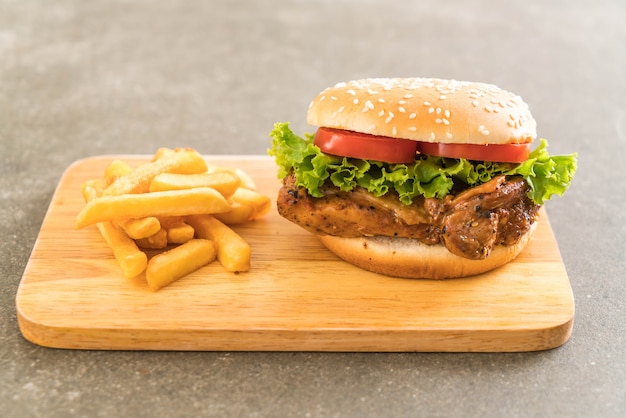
(172, 215)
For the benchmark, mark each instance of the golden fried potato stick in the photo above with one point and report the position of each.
(163, 152)
(135, 228)
(238, 214)
(115, 170)
(224, 182)
(260, 203)
(158, 241)
(91, 189)
(171, 265)
(244, 178)
(233, 252)
(131, 260)
(178, 232)
(171, 203)
(138, 228)
(184, 161)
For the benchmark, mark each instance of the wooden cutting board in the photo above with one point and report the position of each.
(296, 297)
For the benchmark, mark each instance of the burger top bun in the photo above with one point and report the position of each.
(425, 109)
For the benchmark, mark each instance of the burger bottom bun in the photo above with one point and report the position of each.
(405, 257)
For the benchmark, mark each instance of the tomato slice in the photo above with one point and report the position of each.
(503, 153)
(402, 151)
(365, 146)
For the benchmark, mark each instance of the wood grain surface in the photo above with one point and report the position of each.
(296, 297)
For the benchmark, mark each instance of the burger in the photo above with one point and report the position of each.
(418, 177)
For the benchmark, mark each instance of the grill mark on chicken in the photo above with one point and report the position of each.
(468, 224)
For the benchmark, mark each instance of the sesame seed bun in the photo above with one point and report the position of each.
(408, 258)
(425, 109)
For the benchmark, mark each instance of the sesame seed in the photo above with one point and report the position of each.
(381, 113)
(412, 116)
(412, 128)
(408, 96)
(333, 97)
(402, 102)
(381, 100)
(334, 115)
(401, 109)
(355, 101)
(442, 97)
(431, 110)
(484, 132)
(446, 122)
(370, 91)
(432, 136)
(340, 109)
(438, 120)
(322, 98)
(426, 103)
(446, 113)
(488, 109)
(475, 103)
(394, 131)
(369, 105)
(389, 117)
(438, 110)
(510, 123)
(352, 92)
(449, 135)
(481, 128)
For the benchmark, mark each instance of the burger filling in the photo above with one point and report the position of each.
(469, 206)
(469, 224)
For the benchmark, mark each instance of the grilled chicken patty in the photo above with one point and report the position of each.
(469, 224)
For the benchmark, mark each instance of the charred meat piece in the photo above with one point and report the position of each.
(468, 224)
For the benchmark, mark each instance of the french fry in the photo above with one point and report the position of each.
(162, 152)
(183, 161)
(138, 228)
(135, 228)
(115, 170)
(178, 232)
(171, 203)
(233, 252)
(92, 189)
(245, 179)
(223, 181)
(169, 266)
(158, 241)
(238, 214)
(260, 203)
(131, 260)
(175, 208)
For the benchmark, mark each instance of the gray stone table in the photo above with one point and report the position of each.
(83, 78)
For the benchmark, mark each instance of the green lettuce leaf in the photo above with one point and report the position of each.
(429, 176)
